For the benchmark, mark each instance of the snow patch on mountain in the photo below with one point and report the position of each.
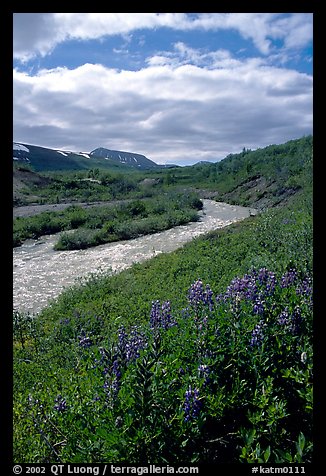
(17, 146)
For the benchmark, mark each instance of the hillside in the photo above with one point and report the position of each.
(127, 158)
(45, 159)
(260, 179)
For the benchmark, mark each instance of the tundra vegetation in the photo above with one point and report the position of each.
(203, 355)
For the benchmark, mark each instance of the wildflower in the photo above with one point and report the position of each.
(204, 372)
(292, 322)
(288, 278)
(60, 404)
(242, 288)
(85, 341)
(257, 334)
(135, 343)
(198, 294)
(161, 316)
(155, 316)
(259, 306)
(305, 287)
(166, 318)
(122, 342)
(283, 318)
(267, 279)
(192, 404)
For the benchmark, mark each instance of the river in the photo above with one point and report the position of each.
(41, 274)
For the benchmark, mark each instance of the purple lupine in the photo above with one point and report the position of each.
(136, 343)
(288, 278)
(204, 372)
(283, 318)
(199, 294)
(192, 404)
(117, 377)
(60, 404)
(122, 342)
(85, 341)
(242, 288)
(160, 316)
(257, 334)
(258, 307)
(65, 322)
(195, 293)
(305, 289)
(267, 279)
(155, 316)
(292, 322)
(166, 317)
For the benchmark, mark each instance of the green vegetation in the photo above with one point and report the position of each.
(260, 178)
(201, 355)
(103, 224)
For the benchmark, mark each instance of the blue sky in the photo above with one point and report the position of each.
(176, 87)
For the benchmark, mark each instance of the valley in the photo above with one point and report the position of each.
(190, 345)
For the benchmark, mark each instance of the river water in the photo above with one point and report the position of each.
(41, 274)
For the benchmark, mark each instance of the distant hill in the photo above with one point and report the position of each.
(127, 158)
(260, 178)
(43, 158)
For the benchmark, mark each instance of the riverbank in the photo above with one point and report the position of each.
(41, 274)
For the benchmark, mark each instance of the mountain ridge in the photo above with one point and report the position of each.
(44, 158)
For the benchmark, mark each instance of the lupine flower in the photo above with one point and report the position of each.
(259, 306)
(161, 316)
(155, 316)
(64, 322)
(122, 342)
(204, 372)
(185, 313)
(117, 377)
(242, 288)
(85, 341)
(267, 279)
(283, 318)
(305, 287)
(291, 321)
(60, 404)
(166, 318)
(288, 278)
(198, 294)
(135, 344)
(192, 404)
(257, 334)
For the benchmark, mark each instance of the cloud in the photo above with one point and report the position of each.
(171, 111)
(39, 33)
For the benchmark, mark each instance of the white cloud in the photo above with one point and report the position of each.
(169, 111)
(39, 33)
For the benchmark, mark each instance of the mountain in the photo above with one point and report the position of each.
(43, 158)
(128, 158)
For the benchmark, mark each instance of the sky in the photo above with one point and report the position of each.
(178, 88)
